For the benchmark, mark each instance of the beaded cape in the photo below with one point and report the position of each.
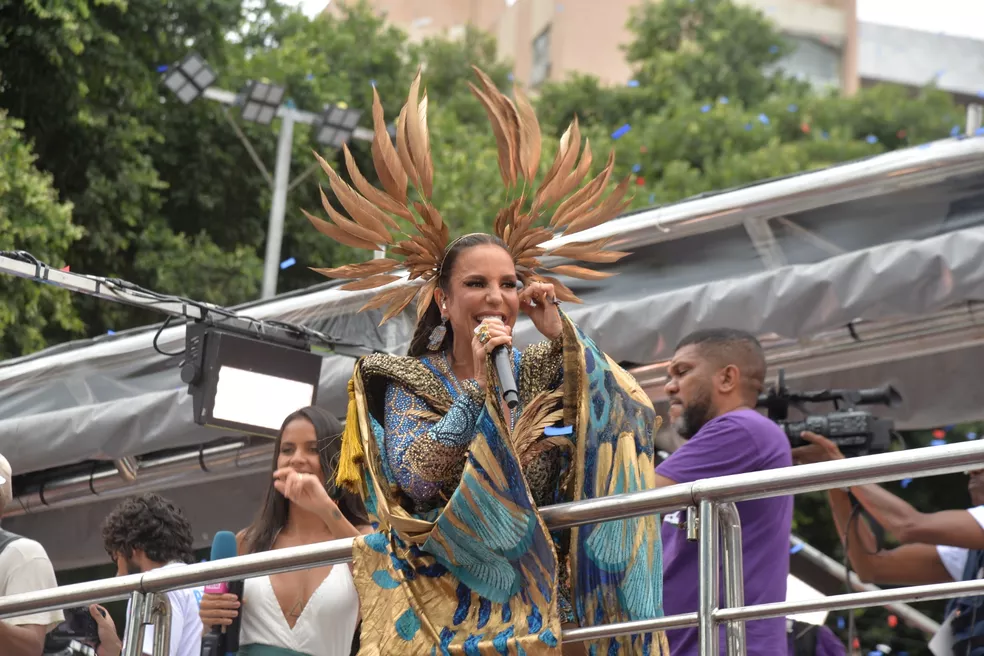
(406, 172)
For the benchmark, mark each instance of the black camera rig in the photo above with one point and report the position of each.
(854, 431)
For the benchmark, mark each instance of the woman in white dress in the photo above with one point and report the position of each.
(311, 612)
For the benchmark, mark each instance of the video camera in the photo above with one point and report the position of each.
(855, 432)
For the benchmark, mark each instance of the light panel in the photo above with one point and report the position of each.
(189, 78)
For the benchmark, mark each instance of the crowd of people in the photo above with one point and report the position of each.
(441, 483)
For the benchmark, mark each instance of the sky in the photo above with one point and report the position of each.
(956, 17)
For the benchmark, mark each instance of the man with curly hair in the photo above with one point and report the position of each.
(148, 532)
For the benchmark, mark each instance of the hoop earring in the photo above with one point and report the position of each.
(437, 335)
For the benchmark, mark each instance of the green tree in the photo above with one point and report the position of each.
(31, 219)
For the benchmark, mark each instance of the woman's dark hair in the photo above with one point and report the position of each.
(432, 316)
(272, 516)
(152, 524)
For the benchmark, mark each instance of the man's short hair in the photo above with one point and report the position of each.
(151, 523)
(726, 346)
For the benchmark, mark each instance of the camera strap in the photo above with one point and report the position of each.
(6, 537)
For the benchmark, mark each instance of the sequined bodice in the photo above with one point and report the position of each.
(426, 451)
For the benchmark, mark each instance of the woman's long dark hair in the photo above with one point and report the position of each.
(272, 516)
(432, 317)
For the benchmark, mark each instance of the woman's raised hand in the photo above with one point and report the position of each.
(490, 334)
(538, 300)
(218, 609)
(305, 490)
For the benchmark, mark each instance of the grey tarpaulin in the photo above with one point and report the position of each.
(905, 250)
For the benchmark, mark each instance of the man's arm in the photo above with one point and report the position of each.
(910, 564)
(25, 640)
(956, 528)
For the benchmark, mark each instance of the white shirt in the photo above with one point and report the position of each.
(325, 627)
(186, 625)
(955, 558)
(25, 567)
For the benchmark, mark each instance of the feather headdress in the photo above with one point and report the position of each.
(559, 200)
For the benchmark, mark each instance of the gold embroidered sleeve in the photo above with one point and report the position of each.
(541, 367)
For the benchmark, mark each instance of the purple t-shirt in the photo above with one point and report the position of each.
(734, 443)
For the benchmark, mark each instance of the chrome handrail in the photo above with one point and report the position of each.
(754, 485)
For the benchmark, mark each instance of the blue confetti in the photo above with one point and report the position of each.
(652, 199)
(705, 109)
(773, 49)
(110, 332)
(723, 100)
(871, 139)
(949, 428)
(511, 77)
(840, 623)
(824, 134)
(621, 132)
(905, 482)
(924, 146)
(980, 94)
(748, 126)
(875, 653)
(162, 68)
(553, 431)
(290, 104)
(792, 108)
(979, 131)
(289, 262)
(763, 119)
(796, 548)
(971, 435)
(633, 83)
(955, 131)
(636, 168)
(310, 76)
(937, 442)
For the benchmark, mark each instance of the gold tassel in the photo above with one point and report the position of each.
(349, 474)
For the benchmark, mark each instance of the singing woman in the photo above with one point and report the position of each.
(461, 561)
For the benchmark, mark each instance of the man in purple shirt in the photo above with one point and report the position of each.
(714, 381)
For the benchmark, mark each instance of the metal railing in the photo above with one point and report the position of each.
(711, 498)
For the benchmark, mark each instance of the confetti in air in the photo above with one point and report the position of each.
(289, 262)
(621, 132)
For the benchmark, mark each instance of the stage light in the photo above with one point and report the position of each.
(336, 125)
(261, 100)
(246, 384)
(189, 78)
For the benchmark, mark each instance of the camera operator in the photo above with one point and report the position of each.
(143, 533)
(715, 378)
(24, 567)
(936, 547)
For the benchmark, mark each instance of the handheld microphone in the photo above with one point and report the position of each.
(216, 642)
(507, 382)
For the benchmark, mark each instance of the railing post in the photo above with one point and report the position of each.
(157, 612)
(734, 581)
(133, 640)
(708, 572)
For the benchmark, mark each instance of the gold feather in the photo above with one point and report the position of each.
(574, 271)
(530, 140)
(545, 409)
(591, 251)
(556, 178)
(362, 211)
(608, 209)
(417, 140)
(338, 234)
(425, 298)
(584, 198)
(384, 158)
(400, 304)
(403, 148)
(507, 163)
(583, 166)
(361, 270)
(348, 225)
(394, 295)
(372, 194)
(562, 291)
(372, 282)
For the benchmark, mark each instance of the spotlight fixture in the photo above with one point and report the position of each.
(189, 78)
(261, 100)
(335, 125)
(245, 384)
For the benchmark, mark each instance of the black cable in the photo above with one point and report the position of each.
(851, 626)
(157, 336)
